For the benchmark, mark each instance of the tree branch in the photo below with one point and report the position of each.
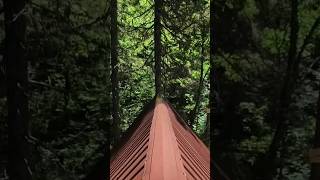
(45, 85)
(310, 68)
(308, 38)
(96, 20)
(145, 12)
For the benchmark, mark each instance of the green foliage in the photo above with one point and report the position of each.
(181, 55)
(67, 47)
(250, 78)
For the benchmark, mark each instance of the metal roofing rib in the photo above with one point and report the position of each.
(162, 147)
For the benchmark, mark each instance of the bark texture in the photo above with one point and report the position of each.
(114, 73)
(17, 85)
(157, 46)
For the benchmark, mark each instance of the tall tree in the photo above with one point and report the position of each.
(157, 46)
(114, 73)
(287, 90)
(193, 114)
(285, 97)
(211, 82)
(288, 83)
(291, 78)
(211, 94)
(212, 76)
(17, 84)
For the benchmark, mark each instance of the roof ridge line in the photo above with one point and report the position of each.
(164, 159)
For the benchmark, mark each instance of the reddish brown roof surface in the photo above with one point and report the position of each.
(161, 147)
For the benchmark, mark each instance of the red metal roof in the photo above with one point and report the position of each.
(161, 147)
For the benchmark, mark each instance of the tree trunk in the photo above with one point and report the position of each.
(211, 75)
(114, 73)
(66, 96)
(212, 92)
(157, 46)
(17, 84)
(288, 85)
(268, 166)
(315, 167)
(206, 134)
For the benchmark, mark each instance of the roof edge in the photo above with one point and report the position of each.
(135, 123)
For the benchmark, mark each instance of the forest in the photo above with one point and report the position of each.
(244, 74)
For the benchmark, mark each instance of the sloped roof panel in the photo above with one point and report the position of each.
(161, 147)
(129, 160)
